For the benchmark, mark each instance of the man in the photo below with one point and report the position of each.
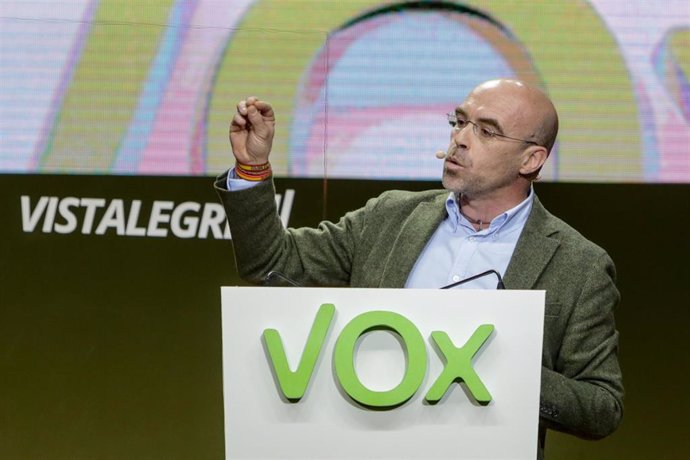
(491, 219)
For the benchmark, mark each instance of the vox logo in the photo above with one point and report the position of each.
(457, 368)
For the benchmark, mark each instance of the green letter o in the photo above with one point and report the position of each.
(344, 359)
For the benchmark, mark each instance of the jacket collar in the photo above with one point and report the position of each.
(534, 249)
(413, 236)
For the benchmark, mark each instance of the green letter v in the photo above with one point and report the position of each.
(294, 384)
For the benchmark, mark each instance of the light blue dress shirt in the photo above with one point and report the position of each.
(457, 251)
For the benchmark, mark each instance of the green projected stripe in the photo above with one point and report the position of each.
(107, 84)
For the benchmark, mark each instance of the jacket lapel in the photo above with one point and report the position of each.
(534, 249)
(411, 240)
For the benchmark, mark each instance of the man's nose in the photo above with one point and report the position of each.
(461, 136)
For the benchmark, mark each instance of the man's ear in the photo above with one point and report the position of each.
(534, 158)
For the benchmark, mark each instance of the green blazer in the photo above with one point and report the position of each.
(378, 245)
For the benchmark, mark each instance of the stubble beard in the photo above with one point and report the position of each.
(456, 183)
(472, 186)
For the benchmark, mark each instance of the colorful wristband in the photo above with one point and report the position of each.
(253, 172)
(255, 168)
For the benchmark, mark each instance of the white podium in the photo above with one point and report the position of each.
(315, 373)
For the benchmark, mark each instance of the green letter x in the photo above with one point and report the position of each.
(459, 365)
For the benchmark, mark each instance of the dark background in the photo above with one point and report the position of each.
(110, 346)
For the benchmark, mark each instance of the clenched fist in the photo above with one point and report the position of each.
(251, 131)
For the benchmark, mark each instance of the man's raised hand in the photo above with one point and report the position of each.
(251, 131)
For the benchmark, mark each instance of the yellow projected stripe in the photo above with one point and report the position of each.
(107, 84)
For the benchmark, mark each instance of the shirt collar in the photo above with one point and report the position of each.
(515, 216)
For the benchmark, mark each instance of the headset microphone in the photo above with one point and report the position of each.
(441, 155)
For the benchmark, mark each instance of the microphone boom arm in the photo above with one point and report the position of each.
(500, 284)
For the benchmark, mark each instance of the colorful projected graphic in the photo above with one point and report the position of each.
(360, 104)
(360, 87)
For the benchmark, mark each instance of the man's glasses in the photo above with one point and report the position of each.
(481, 132)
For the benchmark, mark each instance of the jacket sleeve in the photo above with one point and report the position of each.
(311, 256)
(583, 394)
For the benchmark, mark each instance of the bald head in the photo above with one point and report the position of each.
(532, 111)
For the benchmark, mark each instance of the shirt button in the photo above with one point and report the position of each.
(456, 278)
(471, 238)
